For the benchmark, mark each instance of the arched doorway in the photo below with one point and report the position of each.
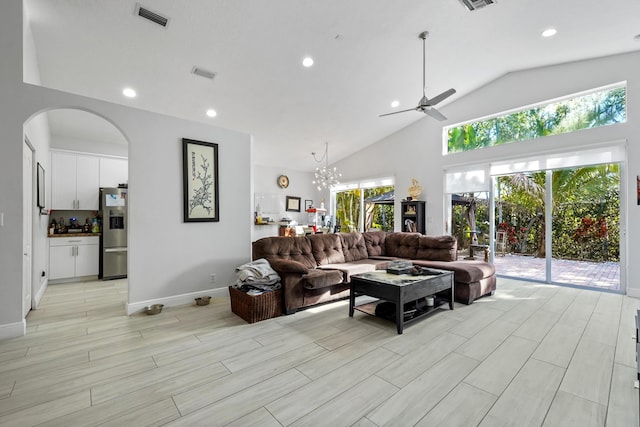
(69, 147)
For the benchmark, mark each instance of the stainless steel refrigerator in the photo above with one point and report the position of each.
(113, 240)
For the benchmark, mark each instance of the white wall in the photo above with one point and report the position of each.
(167, 257)
(265, 182)
(416, 151)
(37, 132)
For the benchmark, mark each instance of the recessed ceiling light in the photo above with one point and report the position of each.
(307, 62)
(394, 104)
(129, 93)
(211, 113)
(549, 32)
(637, 37)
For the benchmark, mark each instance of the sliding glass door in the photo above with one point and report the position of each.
(560, 226)
(520, 222)
(586, 226)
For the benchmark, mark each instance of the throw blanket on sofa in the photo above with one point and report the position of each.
(257, 275)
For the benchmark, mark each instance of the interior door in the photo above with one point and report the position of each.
(27, 224)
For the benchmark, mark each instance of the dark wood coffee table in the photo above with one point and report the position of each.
(401, 289)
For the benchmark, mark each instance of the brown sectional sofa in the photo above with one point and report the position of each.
(317, 268)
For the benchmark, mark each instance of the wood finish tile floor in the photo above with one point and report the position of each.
(532, 355)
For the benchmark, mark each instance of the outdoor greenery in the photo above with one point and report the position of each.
(348, 210)
(587, 111)
(461, 229)
(586, 222)
(586, 214)
(377, 215)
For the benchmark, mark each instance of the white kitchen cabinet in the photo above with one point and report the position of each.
(63, 181)
(71, 257)
(75, 180)
(113, 171)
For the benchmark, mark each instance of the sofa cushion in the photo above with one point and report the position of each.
(293, 248)
(353, 246)
(374, 242)
(350, 268)
(437, 248)
(326, 248)
(288, 266)
(402, 245)
(316, 279)
(464, 271)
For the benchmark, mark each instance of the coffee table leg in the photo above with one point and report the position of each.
(400, 316)
(453, 284)
(352, 302)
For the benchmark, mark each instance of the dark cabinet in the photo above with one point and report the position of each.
(413, 216)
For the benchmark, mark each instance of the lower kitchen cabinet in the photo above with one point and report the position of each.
(71, 257)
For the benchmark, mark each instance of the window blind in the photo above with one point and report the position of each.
(466, 181)
(613, 153)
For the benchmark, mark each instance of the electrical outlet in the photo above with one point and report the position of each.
(213, 277)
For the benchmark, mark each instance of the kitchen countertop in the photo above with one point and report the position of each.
(75, 235)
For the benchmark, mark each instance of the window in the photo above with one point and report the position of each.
(602, 107)
(364, 205)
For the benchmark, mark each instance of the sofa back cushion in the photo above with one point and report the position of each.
(402, 245)
(437, 248)
(326, 248)
(290, 248)
(374, 242)
(353, 246)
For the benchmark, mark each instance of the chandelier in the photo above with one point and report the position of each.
(325, 177)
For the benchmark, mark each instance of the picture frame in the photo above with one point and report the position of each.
(293, 204)
(308, 204)
(41, 201)
(200, 181)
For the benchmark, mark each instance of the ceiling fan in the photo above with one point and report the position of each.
(425, 104)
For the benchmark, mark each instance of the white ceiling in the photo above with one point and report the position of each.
(367, 53)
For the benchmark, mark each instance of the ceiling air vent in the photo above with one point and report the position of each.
(203, 73)
(154, 17)
(472, 5)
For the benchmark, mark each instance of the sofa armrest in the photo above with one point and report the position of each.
(288, 266)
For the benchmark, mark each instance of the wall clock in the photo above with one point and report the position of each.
(283, 181)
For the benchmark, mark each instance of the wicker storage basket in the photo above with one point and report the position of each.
(254, 308)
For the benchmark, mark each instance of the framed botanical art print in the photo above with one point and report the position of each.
(200, 181)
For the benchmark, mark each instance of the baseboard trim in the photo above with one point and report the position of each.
(633, 292)
(172, 301)
(38, 296)
(72, 280)
(13, 330)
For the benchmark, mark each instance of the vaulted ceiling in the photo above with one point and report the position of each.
(366, 54)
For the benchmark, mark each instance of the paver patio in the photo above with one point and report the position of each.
(581, 273)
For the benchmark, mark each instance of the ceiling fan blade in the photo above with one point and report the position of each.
(439, 98)
(434, 113)
(425, 104)
(397, 112)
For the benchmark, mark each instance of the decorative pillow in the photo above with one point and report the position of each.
(292, 248)
(374, 242)
(326, 248)
(353, 246)
(437, 248)
(402, 245)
